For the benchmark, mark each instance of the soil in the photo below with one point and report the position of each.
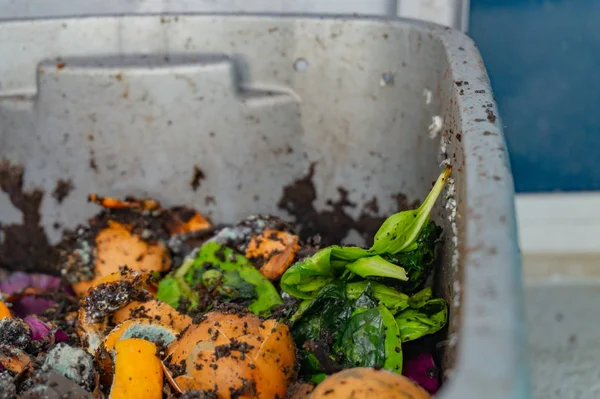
(25, 246)
(332, 225)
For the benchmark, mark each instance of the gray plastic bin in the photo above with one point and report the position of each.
(137, 104)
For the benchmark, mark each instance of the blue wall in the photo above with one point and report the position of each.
(543, 58)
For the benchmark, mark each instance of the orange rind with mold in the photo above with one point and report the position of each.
(152, 331)
(276, 249)
(138, 372)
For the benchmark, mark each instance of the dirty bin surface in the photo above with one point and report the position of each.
(225, 112)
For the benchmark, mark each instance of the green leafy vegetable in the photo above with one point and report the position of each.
(355, 326)
(391, 298)
(306, 277)
(400, 231)
(406, 237)
(376, 266)
(371, 338)
(224, 272)
(173, 288)
(425, 316)
(329, 310)
(419, 263)
(169, 291)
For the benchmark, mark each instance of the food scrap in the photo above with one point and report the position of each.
(158, 302)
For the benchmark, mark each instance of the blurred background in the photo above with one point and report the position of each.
(542, 57)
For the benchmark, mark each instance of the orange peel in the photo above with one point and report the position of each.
(117, 246)
(186, 220)
(153, 310)
(367, 383)
(14, 359)
(138, 372)
(129, 203)
(151, 330)
(90, 333)
(217, 327)
(4, 311)
(231, 352)
(276, 248)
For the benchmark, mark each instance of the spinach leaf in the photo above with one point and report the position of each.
(371, 338)
(428, 318)
(223, 271)
(353, 324)
(376, 266)
(306, 277)
(326, 314)
(400, 231)
(390, 297)
(419, 263)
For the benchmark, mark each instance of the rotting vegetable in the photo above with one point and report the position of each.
(158, 303)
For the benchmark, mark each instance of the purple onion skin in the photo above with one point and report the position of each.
(60, 336)
(18, 281)
(423, 371)
(40, 330)
(31, 304)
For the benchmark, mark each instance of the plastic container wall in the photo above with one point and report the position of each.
(351, 111)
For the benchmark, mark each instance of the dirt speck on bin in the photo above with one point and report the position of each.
(197, 178)
(62, 190)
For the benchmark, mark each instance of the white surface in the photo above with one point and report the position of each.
(453, 13)
(560, 242)
(559, 223)
(564, 339)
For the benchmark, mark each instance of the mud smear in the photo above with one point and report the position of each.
(197, 178)
(62, 190)
(332, 225)
(25, 246)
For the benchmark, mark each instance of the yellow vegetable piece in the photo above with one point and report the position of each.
(138, 372)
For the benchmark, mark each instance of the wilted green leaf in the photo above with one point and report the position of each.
(220, 269)
(425, 320)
